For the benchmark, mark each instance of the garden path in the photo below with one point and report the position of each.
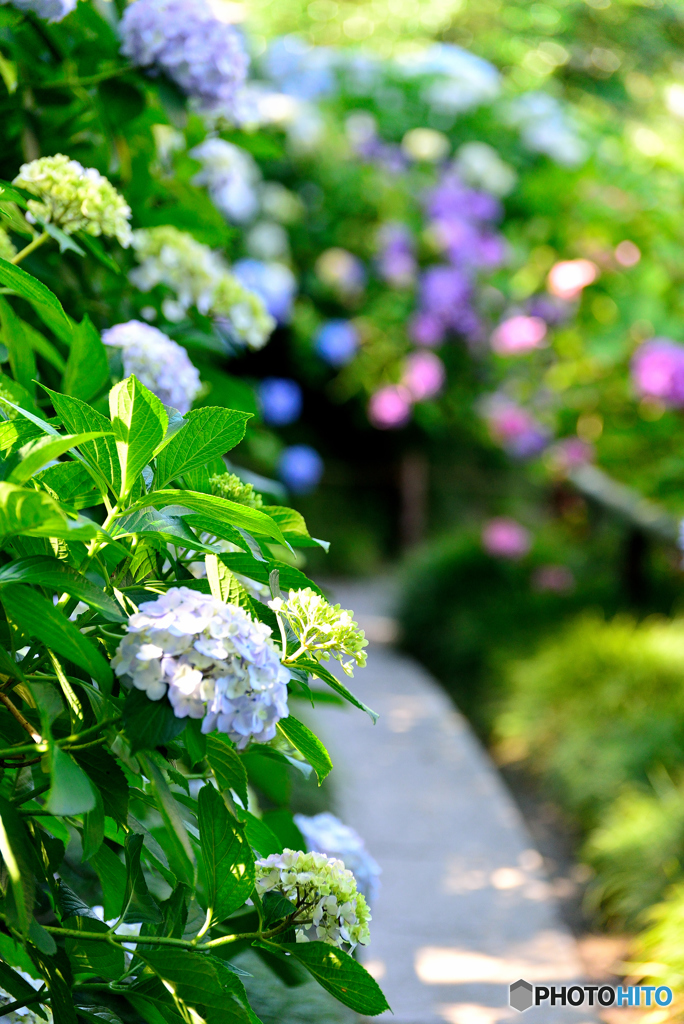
(464, 908)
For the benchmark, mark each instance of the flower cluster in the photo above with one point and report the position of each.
(74, 198)
(280, 399)
(199, 277)
(658, 371)
(337, 342)
(545, 127)
(273, 282)
(300, 467)
(231, 175)
(461, 80)
(518, 334)
(341, 271)
(323, 893)
(192, 44)
(324, 833)
(506, 538)
(214, 661)
(396, 259)
(323, 630)
(159, 363)
(230, 486)
(513, 427)
(50, 10)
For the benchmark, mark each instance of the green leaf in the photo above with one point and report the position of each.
(308, 744)
(87, 369)
(70, 903)
(47, 306)
(260, 837)
(16, 853)
(70, 483)
(227, 766)
(95, 1014)
(195, 740)
(175, 911)
(194, 979)
(30, 512)
(290, 577)
(112, 874)
(8, 73)
(8, 666)
(93, 827)
(227, 860)
(43, 347)
(21, 356)
(153, 1003)
(209, 434)
(151, 521)
(39, 452)
(222, 583)
(315, 669)
(57, 575)
(70, 789)
(101, 454)
(293, 527)
(138, 904)
(340, 974)
(56, 970)
(149, 723)
(38, 618)
(220, 509)
(179, 850)
(18, 987)
(104, 772)
(107, 961)
(140, 421)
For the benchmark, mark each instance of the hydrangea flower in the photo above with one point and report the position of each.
(326, 903)
(658, 371)
(50, 10)
(518, 334)
(545, 127)
(159, 363)
(513, 427)
(7, 248)
(74, 198)
(231, 175)
(324, 833)
(424, 375)
(465, 81)
(214, 661)
(568, 278)
(299, 69)
(200, 278)
(341, 270)
(300, 467)
(506, 538)
(323, 630)
(188, 40)
(336, 342)
(396, 260)
(390, 407)
(281, 400)
(273, 282)
(230, 486)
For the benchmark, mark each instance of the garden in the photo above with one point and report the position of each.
(358, 289)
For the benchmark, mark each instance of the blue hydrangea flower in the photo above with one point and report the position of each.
(274, 283)
(50, 10)
(336, 342)
(185, 39)
(300, 467)
(159, 363)
(281, 400)
(324, 833)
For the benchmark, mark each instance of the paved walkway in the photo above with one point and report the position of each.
(464, 909)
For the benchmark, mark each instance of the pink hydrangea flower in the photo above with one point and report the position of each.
(390, 407)
(518, 334)
(658, 371)
(506, 538)
(424, 375)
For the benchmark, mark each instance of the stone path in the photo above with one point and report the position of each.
(464, 909)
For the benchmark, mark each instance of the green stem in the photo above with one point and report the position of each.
(30, 247)
(41, 748)
(40, 997)
(162, 940)
(32, 795)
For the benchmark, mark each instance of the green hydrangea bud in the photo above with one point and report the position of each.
(230, 486)
(323, 630)
(74, 198)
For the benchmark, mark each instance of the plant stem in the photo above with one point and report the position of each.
(35, 736)
(30, 247)
(40, 997)
(18, 801)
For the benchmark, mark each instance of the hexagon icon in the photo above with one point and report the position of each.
(521, 995)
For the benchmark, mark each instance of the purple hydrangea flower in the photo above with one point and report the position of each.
(396, 260)
(203, 55)
(281, 400)
(159, 363)
(50, 10)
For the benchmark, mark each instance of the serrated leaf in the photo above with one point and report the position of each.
(308, 744)
(227, 766)
(18, 987)
(194, 979)
(36, 454)
(315, 669)
(56, 970)
(46, 304)
(220, 509)
(104, 772)
(101, 454)
(139, 421)
(209, 433)
(57, 575)
(340, 974)
(261, 838)
(290, 577)
(293, 527)
(87, 369)
(70, 789)
(138, 904)
(112, 874)
(71, 484)
(70, 903)
(149, 723)
(227, 860)
(151, 521)
(38, 617)
(101, 958)
(179, 851)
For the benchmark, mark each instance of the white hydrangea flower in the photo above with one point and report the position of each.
(231, 175)
(328, 905)
(323, 630)
(159, 363)
(213, 659)
(50, 10)
(200, 278)
(324, 833)
(75, 198)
